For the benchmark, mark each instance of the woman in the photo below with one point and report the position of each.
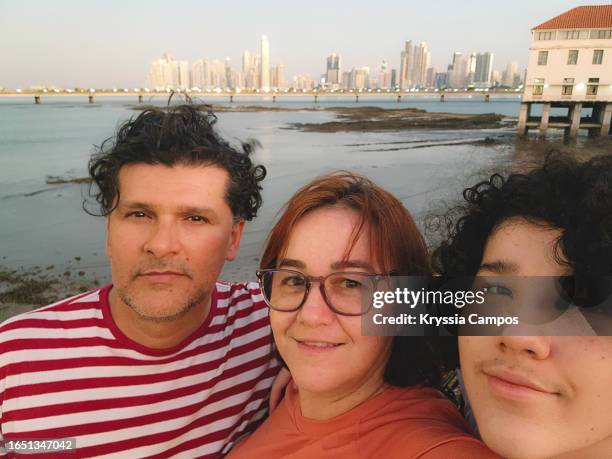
(352, 396)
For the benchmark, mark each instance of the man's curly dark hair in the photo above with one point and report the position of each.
(565, 194)
(181, 134)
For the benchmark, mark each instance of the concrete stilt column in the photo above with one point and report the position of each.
(575, 113)
(606, 120)
(523, 117)
(544, 120)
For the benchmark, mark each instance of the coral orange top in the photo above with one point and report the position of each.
(405, 423)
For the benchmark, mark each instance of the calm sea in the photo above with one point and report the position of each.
(44, 225)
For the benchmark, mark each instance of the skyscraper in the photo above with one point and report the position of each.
(168, 73)
(405, 65)
(510, 74)
(384, 76)
(200, 74)
(333, 73)
(421, 58)
(484, 69)
(264, 78)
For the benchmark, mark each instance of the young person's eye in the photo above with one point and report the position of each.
(497, 289)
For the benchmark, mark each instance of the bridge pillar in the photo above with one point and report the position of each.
(442, 97)
(316, 98)
(91, 99)
(523, 117)
(273, 99)
(487, 98)
(606, 120)
(575, 113)
(140, 98)
(399, 98)
(357, 98)
(544, 120)
(37, 100)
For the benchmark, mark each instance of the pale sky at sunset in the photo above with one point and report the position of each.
(111, 43)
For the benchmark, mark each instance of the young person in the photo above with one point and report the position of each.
(352, 396)
(165, 361)
(539, 396)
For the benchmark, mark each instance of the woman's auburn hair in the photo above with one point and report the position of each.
(396, 243)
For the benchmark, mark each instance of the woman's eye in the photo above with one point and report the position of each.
(499, 290)
(293, 281)
(350, 283)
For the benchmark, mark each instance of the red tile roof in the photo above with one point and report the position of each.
(581, 17)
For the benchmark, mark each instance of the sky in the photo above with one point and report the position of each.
(110, 43)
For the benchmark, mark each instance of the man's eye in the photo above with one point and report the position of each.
(198, 218)
(136, 214)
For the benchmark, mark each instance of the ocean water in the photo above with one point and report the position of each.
(44, 225)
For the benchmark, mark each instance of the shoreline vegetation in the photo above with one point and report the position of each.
(369, 118)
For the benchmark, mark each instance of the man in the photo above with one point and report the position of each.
(541, 396)
(166, 361)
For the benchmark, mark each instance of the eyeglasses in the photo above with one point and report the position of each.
(346, 293)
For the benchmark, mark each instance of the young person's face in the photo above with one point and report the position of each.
(537, 396)
(324, 351)
(169, 236)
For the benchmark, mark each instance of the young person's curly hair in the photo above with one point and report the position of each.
(177, 135)
(565, 194)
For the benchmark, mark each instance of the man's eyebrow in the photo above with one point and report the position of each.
(180, 209)
(133, 205)
(291, 263)
(195, 210)
(499, 267)
(352, 264)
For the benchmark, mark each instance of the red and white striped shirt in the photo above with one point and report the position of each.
(67, 371)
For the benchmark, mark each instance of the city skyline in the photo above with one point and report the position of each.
(111, 44)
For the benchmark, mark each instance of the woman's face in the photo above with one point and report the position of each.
(324, 351)
(537, 396)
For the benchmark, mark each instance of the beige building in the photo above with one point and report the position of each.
(570, 66)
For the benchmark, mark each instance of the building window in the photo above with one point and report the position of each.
(568, 86)
(544, 35)
(538, 86)
(598, 56)
(569, 35)
(542, 57)
(601, 34)
(572, 57)
(592, 86)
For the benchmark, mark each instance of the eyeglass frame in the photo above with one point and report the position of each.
(321, 280)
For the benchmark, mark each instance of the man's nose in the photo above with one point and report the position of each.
(164, 239)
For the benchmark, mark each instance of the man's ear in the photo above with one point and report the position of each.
(234, 241)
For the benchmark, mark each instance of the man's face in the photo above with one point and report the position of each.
(537, 396)
(169, 236)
